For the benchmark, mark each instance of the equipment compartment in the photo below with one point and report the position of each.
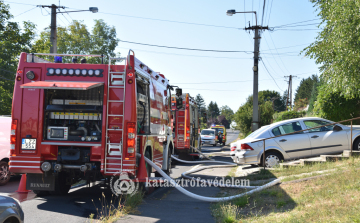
(76, 112)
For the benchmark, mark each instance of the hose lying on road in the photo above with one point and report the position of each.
(203, 198)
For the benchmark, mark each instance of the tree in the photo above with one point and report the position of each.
(76, 39)
(305, 87)
(13, 41)
(200, 103)
(213, 109)
(243, 116)
(273, 96)
(227, 112)
(336, 48)
(223, 121)
(313, 97)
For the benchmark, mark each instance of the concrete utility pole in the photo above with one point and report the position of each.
(53, 34)
(255, 119)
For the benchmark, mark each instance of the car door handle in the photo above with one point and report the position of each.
(315, 136)
(283, 140)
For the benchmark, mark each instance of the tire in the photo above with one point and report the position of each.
(4, 173)
(356, 145)
(272, 159)
(145, 188)
(169, 161)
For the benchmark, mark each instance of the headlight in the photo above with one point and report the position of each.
(97, 72)
(45, 166)
(64, 71)
(58, 71)
(71, 72)
(77, 72)
(83, 72)
(30, 75)
(90, 72)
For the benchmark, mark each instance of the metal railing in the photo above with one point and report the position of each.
(333, 123)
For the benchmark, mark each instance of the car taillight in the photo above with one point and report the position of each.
(130, 141)
(233, 148)
(13, 135)
(246, 147)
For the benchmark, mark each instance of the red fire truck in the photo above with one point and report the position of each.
(186, 125)
(74, 121)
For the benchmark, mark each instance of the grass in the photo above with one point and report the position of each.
(334, 197)
(117, 207)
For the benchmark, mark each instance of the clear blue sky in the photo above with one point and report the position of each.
(192, 70)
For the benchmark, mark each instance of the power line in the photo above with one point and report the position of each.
(271, 75)
(25, 11)
(278, 54)
(262, 18)
(268, 22)
(19, 3)
(295, 23)
(180, 48)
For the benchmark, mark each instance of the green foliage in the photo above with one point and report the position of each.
(273, 96)
(335, 107)
(313, 97)
(227, 112)
(76, 39)
(336, 48)
(200, 102)
(304, 89)
(288, 115)
(213, 109)
(13, 41)
(301, 103)
(243, 117)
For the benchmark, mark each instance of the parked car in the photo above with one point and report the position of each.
(233, 150)
(5, 126)
(10, 210)
(330, 139)
(208, 137)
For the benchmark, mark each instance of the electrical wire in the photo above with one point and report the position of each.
(25, 12)
(263, 11)
(18, 3)
(278, 54)
(271, 75)
(268, 22)
(295, 23)
(181, 48)
(274, 57)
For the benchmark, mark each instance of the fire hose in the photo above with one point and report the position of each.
(203, 198)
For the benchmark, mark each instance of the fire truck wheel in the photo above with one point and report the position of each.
(169, 163)
(147, 189)
(4, 173)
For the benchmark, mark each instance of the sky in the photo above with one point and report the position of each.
(223, 77)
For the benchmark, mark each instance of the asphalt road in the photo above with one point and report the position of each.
(163, 205)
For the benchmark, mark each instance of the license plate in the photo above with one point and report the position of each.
(206, 142)
(28, 144)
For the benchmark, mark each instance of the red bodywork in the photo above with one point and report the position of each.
(119, 119)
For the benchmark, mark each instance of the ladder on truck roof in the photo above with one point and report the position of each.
(113, 152)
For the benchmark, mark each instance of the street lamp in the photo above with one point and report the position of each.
(53, 35)
(233, 12)
(255, 118)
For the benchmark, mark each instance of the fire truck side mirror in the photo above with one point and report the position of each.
(179, 103)
(204, 115)
(178, 92)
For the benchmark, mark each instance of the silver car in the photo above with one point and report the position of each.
(324, 140)
(208, 137)
(10, 210)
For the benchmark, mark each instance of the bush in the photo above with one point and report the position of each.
(288, 115)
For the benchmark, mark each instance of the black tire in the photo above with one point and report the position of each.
(147, 189)
(169, 161)
(356, 145)
(4, 173)
(272, 159)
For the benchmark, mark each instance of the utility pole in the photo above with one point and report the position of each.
(255, 118)
(53, 34)
(289, 95)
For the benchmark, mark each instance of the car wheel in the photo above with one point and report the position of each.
(272, 159)
(4, 173)
(356, 145)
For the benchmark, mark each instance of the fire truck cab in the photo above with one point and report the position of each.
(186, 125)
(73, 121)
